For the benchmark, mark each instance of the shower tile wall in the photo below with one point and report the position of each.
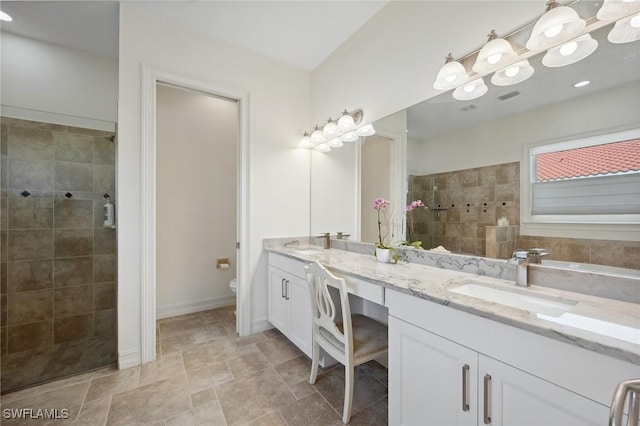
(461, 203)
(58, 281)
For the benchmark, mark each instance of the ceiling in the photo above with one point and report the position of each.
(299, 33)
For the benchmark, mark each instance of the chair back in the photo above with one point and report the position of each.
(339, 343)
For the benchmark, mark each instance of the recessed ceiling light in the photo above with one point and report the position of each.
(581, 83)
(5, 17)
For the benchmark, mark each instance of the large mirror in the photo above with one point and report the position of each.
(462, 158)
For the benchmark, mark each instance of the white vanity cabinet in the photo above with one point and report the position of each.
(289, 301)
(448, 367)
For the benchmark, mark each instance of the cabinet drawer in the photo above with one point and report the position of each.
(294, 267)
(366, 290)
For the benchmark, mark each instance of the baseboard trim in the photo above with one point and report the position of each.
(191, 307)
(130, 358)
(260, 325)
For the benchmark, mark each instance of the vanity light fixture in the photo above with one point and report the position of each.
(495, 54)
(558, 24)
(335, 133)
(451, 74)
(472, 90)
(366, 130)
(4, 16)
(513, 74)
(616, 9)
(625, 30)
(570, 52)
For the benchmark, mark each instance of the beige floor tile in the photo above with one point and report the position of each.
(230, 326)
(247, 364)
(204, 354)
(248, 340)
(208, 376)
(220, 314)
(121, 381)
(278, 349)
(272, 419)
(309, 411)
(273, 332)
(203, 397)
(294, 370)
(208, 414)
(302, 389)
(173, 344)
(181, 325)
(85, 377)
(245, 349)
(94, 412)
(366, 391)
(377, 370)
(374, 415)
(21, 394)
(168, 366)
(210, 332)
(150, 403)
(247, 398)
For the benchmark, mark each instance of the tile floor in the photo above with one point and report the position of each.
(205, 375)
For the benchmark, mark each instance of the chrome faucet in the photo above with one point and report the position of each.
(522, 259)
(342, 235)
(327, 240)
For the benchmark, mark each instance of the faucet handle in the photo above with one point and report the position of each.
(539, 252)
(520, 254)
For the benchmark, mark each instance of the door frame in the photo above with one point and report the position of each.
(150, 78)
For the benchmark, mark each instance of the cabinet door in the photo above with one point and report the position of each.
(427, 375)
(517, 398)
(300, 301)
(279, 311)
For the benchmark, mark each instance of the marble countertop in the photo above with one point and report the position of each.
(618, 322)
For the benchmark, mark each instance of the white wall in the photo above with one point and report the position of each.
(391, 62)
(44, 82)
(279, 172)
(501, 141)
(196, 160)
(376, 182)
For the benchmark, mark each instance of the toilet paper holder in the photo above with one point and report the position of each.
(222, 263)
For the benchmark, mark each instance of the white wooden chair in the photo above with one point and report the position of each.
(351, 340)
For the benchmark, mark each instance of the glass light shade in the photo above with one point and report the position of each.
(451, 74)
(346, 123)
(559, 24)
(349, 137)
(513, 74)
(472, 90)
(5, 17)
(323, 147)
(330, 129)
(366, 130)
(305, 141)
(494, 55)
(616, 9)
(570, 52)
(335, 143)
(625, 30)
(316, 136)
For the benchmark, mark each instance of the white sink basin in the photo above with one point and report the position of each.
(308, 252)
(516, 298)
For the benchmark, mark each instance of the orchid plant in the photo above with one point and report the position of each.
(411, 208)
(380, 206)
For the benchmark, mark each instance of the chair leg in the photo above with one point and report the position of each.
(348, 393)
(314, 363)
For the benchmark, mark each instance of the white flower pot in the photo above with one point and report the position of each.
(384, 255)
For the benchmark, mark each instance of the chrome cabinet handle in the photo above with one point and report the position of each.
(286, 287)
(631, 388)
(487, 390)
(465, 390)
(282, 288)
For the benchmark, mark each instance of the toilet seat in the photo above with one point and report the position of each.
(233, 285)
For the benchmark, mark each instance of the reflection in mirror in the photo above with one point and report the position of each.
(470, 152)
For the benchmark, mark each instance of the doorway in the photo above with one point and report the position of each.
(196, 200)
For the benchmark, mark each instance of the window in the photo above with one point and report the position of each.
(591, 180)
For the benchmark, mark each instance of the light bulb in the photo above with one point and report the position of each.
(5, 17)
(335, 143)
(512, 71)
(316, 136)
(330, 129)
(568, 48)
(366, 130)
(450, 78)
(346, 122)
(349, 137)
(469, 88)
(305, 141)
(581, 83)
(553, 31)
(323, 147)
(635, 21)
(495, 58)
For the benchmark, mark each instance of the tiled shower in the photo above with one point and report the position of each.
(58, 261)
